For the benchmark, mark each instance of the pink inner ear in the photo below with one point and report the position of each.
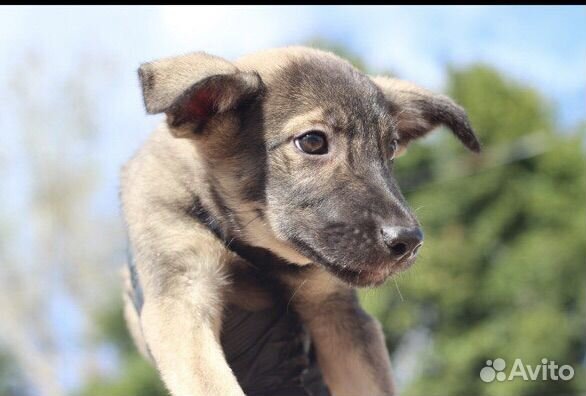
(201, 105)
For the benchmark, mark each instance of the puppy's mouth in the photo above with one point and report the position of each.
(359, 278)
(368, 276)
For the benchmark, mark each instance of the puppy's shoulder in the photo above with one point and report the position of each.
(164, 169)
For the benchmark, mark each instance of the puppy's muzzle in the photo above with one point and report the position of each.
(403, 242)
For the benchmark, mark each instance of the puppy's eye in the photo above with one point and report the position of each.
(312, 142)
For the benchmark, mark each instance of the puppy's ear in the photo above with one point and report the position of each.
(418, 111)
(193, 88)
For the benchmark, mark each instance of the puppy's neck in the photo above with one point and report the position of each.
(257, 256)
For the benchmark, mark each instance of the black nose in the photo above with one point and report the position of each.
(402, 241)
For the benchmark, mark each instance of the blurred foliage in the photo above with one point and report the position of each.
(136, 375)
(12, 382)
(502, 273)
(55, 271)
(136, 379)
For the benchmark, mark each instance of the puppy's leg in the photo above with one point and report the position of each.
(349, 343)
(181, 269)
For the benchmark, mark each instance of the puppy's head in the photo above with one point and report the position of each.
(298, 149)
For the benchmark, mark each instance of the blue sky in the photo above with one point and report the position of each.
(543, 46)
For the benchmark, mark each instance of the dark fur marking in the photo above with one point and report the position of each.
(147, 80)
(439, 110)
(230, 221)
(198, 212)
(254, 192)
(200, 101)
(262, 259)
(453, 116)
(252, 151)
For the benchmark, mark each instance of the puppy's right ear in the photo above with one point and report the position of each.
(191, 89)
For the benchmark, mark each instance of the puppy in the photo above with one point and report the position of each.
(287, 152)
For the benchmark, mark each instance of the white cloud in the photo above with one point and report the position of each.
(234, 30)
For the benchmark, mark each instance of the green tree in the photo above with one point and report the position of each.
(135, 376)
(502, 272)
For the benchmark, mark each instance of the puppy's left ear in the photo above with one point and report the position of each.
(192, 89)
(418, 111)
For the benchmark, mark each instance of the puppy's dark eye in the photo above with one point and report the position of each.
(312, 142)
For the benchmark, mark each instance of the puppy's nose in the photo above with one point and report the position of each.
(402, 241)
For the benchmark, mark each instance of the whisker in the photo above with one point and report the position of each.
(397, 286)
(294, 293)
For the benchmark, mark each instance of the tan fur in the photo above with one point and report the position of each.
(268, 62)
(181, 316)
(186, 271)
(349, 368)
(169, 77)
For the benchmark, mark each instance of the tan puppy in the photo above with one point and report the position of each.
(286, 154)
